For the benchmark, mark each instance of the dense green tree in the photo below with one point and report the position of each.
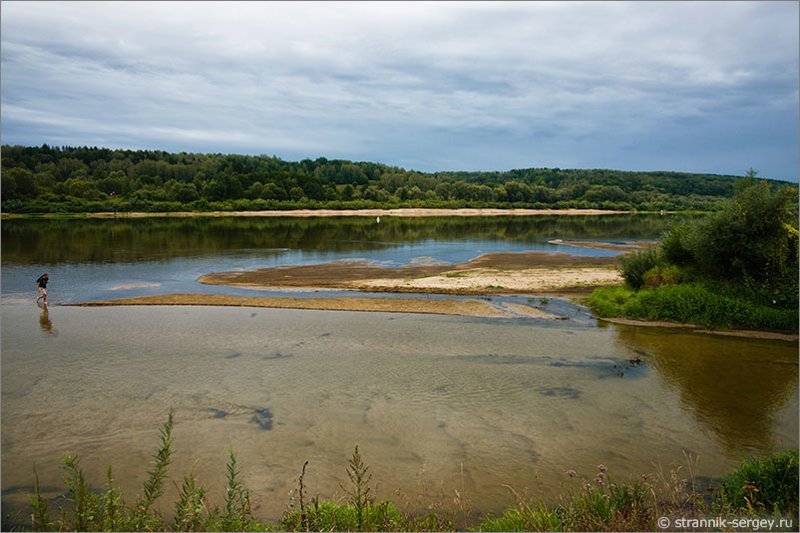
(36, 179)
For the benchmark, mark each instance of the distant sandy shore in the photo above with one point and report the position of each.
(305, 213)
(449, 306)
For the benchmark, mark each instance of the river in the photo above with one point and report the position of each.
(437, 404)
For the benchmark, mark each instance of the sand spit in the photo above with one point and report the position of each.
(527, 272)
(449, 306)
(615, 246)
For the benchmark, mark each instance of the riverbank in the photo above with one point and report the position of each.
(306, 213)
(750, 334)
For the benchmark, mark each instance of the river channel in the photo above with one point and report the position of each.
(445, 410)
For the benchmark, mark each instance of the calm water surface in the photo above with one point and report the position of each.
(436, 404)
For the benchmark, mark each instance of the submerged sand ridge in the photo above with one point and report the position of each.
(449, 306)
(526, 273)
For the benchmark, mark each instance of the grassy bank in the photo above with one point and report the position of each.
(692, 303)
(737, 268)
(761, 488)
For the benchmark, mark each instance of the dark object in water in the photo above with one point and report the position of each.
(561, 392)
(218, 413)
(262, 417)
(276, 355)
(233, 355)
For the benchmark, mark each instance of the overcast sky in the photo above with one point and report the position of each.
(689, 86)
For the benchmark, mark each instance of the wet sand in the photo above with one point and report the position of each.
(750, 334)
(459, 307)
(497, 273)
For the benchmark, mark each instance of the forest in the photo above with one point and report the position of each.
(90, 179)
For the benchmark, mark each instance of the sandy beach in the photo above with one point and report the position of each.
(306, 213)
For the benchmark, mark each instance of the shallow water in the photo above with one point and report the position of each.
(97, 259)
(436, 404)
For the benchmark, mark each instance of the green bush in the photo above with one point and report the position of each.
(661, 275)
(633, 266)
(753, 236)
(609, 301)
(678, 244)
(697, 304)
(763, 484)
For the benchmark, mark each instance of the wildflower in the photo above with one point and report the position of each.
(601, 468)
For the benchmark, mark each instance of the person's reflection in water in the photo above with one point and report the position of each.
(44, 320)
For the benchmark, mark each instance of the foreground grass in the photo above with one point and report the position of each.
(760, 488)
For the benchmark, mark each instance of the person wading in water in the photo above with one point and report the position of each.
(41, 286)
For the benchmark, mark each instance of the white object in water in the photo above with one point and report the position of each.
(378, 220)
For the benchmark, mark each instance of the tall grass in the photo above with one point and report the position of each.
(693, 303)
(766, 486)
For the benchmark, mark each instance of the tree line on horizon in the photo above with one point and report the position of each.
(85, 179)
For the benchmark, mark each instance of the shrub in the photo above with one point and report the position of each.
(609, 301)
(763, 484)
(678, 244)
(695, 303)
(754, 235)
(661, 275)
(633, 266)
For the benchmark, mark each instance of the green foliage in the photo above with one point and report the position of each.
(359, 490)
(633, 266)
(736, 268)
(753, 236)
(768, 484)
(678, 244)
(82, 179)
(610, 301)
(84, 511)
(191, 512)
(661, 275)
(332, 516)
(237, 515)
(526, 516)
(39, 514)
(692, 303)
(153, 488)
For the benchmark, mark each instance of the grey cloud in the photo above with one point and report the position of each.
(434, 85)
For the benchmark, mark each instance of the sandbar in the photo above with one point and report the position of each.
(445, 306)
(496, 273)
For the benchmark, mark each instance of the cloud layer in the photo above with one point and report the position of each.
(707, 87)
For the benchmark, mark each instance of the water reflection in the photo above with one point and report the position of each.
(734, 388)
(44, 320)
(126, 240)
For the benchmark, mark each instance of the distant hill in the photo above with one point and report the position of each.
(80, 179)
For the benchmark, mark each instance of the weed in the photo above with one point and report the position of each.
(768, 484)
